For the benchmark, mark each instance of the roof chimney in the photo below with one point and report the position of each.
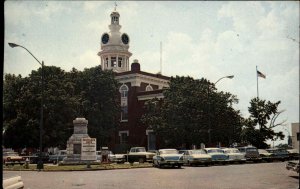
(135, 66)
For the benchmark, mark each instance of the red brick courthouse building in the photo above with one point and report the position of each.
(136, 87)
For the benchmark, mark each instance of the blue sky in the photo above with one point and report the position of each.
(209, 39)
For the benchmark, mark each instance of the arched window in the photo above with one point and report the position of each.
(124, 102)
(149, 88)
(124, 90)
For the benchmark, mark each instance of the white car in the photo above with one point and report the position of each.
(234, 155)
(217, 155)
(115, 158)
(196, 157)
(168, 157)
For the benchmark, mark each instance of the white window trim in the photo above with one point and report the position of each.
(149, 87)
(121, 132)
(122, 86)
(148, 131)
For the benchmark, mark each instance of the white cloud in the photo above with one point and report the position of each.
(92, 6)
(87, 59)
(15, 13)
(50, 9)
(22, 13)
(244, 15)
(97, 26)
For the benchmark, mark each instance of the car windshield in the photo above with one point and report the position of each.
(140, 150)
(231, 151)
(11, 154)
(251, 149)
(198, 152)
(168, 152)
(214, 151)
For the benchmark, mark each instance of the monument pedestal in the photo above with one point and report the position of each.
(74, 142)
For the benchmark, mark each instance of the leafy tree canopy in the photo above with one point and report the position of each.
(264, 115)
(90, 93)
(182, 118)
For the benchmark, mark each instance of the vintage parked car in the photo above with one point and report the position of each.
(168, 157)
(265, 155)
(217, 155)
(139, 154)
(58, 157)
(293, 154)
(196, 157)
(234, 155)
(115, 158)
(251, 153)
(34, 158)
(279, 154)
(293, 165)
(11, 158)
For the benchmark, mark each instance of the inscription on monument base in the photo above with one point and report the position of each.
(88, 149)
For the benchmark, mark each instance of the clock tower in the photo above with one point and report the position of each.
(114, 54)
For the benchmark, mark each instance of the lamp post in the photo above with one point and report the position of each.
(40, 164)
(289, 135)
(208, 97)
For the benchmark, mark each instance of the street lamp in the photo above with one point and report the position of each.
(289, 136)
(208, 97)
(40, 164)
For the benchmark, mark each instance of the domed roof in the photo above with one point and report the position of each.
(115, 13)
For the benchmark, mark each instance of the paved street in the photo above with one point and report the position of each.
(246, 176)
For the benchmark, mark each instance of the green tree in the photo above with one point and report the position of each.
(181, 118)
(99, 102)
(19, 124)
(90, 93)
(264, 115)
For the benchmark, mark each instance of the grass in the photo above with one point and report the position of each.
(32, 167)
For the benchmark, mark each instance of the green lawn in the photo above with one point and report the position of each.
(32, 167)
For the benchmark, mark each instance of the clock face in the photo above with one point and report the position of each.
(125, 38)
(105, 38)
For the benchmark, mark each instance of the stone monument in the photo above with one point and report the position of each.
(74, 143)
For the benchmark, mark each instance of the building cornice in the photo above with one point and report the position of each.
(137, 78)
(150, 96)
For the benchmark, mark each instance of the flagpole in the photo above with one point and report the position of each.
(257, 81)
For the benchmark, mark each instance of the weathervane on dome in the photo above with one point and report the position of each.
(116, 6)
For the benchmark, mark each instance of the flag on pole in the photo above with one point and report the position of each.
(261, 74)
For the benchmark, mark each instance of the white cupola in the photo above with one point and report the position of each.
(114, 54)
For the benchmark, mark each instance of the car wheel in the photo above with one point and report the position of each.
(159, 165)
(141, 160)
(179, 166)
